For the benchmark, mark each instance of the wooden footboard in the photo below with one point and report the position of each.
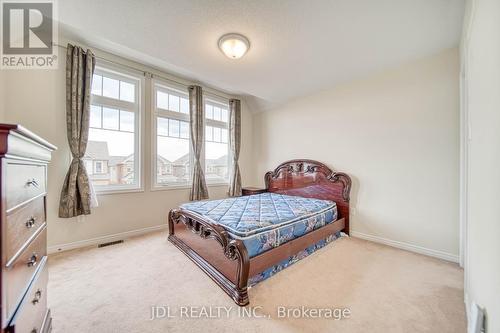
(208, 246)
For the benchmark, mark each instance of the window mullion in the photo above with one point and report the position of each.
(171, 114)
(216, 123)
(115, 103)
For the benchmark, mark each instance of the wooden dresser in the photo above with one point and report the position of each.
(23, 185)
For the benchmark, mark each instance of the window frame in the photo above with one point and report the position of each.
(214, 99)
(118, 72)
(177, 90)
(98, 170)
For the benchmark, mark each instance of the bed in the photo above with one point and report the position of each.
(241, 241)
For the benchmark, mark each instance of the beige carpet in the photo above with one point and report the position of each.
(112, 289)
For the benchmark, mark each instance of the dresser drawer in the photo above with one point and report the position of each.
(24, 182)
(23, 224)
(31, 314)
(19, 272)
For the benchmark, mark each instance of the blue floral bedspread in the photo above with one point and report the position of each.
(266, 220)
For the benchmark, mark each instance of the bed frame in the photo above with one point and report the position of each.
(226, 260)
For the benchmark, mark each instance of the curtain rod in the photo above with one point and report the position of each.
(145, 73)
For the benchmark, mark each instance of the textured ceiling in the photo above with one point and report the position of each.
(296, 46)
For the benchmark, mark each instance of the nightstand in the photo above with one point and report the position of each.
(252, 190)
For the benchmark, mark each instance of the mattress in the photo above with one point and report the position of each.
(267, 220)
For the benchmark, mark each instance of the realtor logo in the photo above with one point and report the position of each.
(28, 35)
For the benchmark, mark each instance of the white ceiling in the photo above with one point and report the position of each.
(296, 46)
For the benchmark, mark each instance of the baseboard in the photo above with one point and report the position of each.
(138, 232)
(103, 239)
(409, 247)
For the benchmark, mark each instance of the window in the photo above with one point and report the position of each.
(173, 152)
(216, 141)
(113, 155)
(173, 147)
(98, 167)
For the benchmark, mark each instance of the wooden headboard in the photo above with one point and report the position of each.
(312, 179)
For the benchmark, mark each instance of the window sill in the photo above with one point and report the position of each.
(153, 189)
(217, 184)
(182, 187)
(118, 191)
(169, 187)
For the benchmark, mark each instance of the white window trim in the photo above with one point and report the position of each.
(213, 99)
(177, 90)
(126, 75)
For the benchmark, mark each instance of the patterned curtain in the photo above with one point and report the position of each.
(197, 123)
(234, 143)
(76, 194)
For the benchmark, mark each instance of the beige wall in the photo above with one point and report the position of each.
(36, 99)
(482, 81)
(2, 94)
(396, 134)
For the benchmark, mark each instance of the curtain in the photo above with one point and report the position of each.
(197, 123)
(76, 192)
(234, 144)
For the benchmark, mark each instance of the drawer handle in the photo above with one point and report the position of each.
(30, 223)
(38, 296)
(33, 260)
(32, 182)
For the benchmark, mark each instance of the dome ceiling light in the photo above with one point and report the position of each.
(233, 45)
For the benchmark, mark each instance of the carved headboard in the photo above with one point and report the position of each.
(312, 179)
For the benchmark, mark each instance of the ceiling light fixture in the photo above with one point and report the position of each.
(234, 46)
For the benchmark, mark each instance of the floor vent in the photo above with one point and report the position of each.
(110, 243)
